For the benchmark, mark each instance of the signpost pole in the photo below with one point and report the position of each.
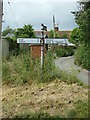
(44, 28)
(42, 47)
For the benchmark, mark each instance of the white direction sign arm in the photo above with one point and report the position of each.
(62, 42)
(28, 40)
(55, 41)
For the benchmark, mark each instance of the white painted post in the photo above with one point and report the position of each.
(41, 61)
(43, 28)
(42, 47)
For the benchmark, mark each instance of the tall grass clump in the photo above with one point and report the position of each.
(15, 70)
(49, 69)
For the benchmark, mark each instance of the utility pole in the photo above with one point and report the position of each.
(1, 13)
(54, 25)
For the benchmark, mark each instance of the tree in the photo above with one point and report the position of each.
(51, 34)
(82, 18)
(7, 30)
(56, 35)
(75, 36)
(26, 32)
(65, 35)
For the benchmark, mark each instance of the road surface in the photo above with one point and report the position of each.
(67, 64)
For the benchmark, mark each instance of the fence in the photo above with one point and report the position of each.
(5, 48)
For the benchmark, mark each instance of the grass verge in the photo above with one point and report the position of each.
(19, 70)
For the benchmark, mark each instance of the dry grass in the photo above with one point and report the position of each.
(55, 98)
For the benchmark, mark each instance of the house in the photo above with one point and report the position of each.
(61, 33)
(10, 35)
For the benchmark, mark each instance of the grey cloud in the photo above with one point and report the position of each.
(37, 13)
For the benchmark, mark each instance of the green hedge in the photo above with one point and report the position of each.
(64, 52)
(82, 56)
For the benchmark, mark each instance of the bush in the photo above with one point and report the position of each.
(64, 52)
(82, 56)
(75, 37)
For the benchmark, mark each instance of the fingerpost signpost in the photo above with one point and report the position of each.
(42, 41)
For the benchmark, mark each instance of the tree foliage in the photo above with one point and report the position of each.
(26, 32)
(82, 18)
(51, 34)
(75, 36)
(56, 35)
(64, 36)
(7, 30)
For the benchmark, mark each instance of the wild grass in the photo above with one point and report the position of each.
(19, 70)
(80, 110)
(37, 115)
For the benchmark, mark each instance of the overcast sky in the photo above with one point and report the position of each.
(20, 12)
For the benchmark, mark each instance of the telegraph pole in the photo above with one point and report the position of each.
(1, 13)
(54, 25)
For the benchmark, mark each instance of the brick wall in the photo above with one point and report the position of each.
(61, 33)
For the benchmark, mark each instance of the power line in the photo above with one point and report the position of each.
(12, 13)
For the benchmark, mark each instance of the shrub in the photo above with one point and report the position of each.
(82, 56)
(75, 37)
(64, 52)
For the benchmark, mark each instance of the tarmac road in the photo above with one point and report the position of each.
(67, 64)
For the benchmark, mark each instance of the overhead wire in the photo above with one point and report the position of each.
(9, 3)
